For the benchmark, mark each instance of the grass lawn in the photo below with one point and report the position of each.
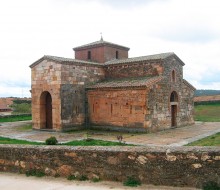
(4, 140)
(213, 140)
(90, 142)
(207, 113)
(15, 118)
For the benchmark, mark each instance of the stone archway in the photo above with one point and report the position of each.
(46, 110)
(173, 108)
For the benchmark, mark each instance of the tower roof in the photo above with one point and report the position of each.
(99, 43)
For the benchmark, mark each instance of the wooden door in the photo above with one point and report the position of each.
(173, 115)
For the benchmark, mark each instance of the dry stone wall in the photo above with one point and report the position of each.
(180, 166)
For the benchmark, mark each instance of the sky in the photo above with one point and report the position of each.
(30, 29)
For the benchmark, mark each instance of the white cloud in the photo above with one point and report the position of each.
(31, 29)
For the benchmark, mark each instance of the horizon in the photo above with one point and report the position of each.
(31, 29)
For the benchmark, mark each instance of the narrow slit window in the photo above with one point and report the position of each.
(111, 108)
(89, 55)
(130, 109)
(77, 109)
(116, 54)
(173, 76)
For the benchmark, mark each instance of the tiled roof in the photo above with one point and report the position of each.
(207, 98)
(99, 43)
(63, 60)
(160, 56)
(141, 58)
(131, 82)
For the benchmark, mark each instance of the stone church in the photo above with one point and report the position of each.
(103, 88)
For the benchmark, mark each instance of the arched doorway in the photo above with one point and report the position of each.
(46, 110)
(173, 108)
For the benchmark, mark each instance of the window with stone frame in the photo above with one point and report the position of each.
(173, 76)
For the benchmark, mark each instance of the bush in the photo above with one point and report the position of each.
(51, 141)
(132, 182)
(211, 186)
(71, 177)
(34, 172)
(83, 178)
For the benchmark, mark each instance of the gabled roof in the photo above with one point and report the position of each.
(98, 44)
(63, 60)
(160, 56)
(128, 82)
(188, 84)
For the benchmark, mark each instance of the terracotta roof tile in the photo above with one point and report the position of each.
(131, 82)
(63, 60)
(141, 58)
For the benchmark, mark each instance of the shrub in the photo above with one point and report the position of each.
(51, 141)
(132, 182)
(71, 177)
(211, 186)
(34, 172)
(95, 179)
(83, 178)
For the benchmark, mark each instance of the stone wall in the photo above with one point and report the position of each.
(182, 166)
(134, 70)
(125, 108)
(74, 80)
(46, 77)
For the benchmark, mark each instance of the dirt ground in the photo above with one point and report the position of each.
(10, 181)
(172, 137)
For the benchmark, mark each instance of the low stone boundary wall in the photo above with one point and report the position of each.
(174, 166)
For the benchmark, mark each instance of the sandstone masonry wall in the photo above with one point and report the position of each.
(46, 76)
(182, 166)
(118, 107)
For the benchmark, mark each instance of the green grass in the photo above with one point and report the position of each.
(207, 113)
(91, 142)
(25, 128)
(4, 140)
(15, 118)
(213, 140)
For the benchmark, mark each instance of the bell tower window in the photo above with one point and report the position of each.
(116, 54)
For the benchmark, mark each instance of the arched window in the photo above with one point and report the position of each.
(89, 55)
(173, 77)
(173, 97)
(116, 54)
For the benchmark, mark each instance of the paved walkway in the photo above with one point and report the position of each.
(171, 137)
(18, 182)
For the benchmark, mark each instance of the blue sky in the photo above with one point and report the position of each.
(30, 29)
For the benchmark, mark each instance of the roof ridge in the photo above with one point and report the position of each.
(139, 82)
(140, 58)
(63, 60)
(98, 43)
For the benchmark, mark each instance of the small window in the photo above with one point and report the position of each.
(173, 76)
(111, 108)
(89, 55)
(116, 54)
